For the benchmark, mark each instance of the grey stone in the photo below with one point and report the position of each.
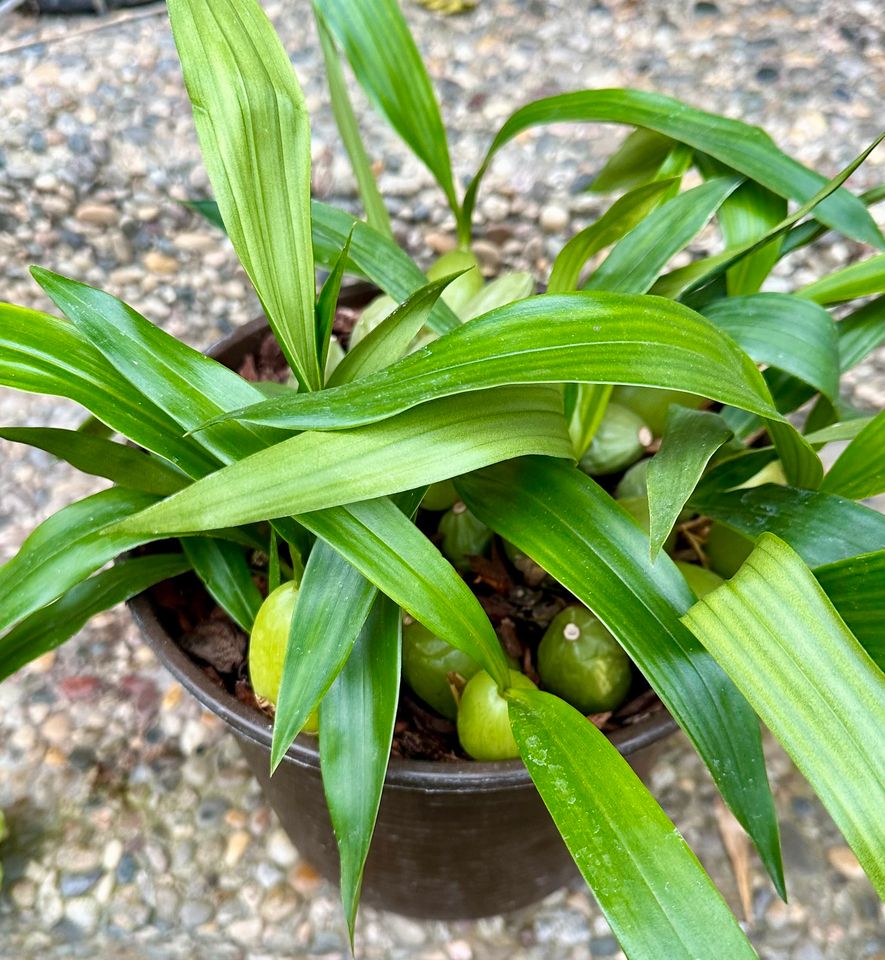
(76, 884)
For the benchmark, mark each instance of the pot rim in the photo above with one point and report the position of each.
(427, 775)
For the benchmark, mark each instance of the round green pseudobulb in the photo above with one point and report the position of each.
(580, 661)
(267, 646)
(504, 289)
(463, 536)
(620, 440)
(427, 663)
(634, 483)
(440, 496)
(533, 573)
(483, 722)
(652, 403)
(701, 580)
(726, 549)
(461, 291)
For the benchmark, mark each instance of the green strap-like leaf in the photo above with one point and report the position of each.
(254, 131)
(391, 338)
(374, 256)
(820, 527)
(315, 470)
(125, 465)
(690, 439)
(348, 126)
(635, 262)
(860, 470)
(578, 337)
(385, 60)
(856, 588)
(637, 161)
(777, 635)
(42, 354)
(846, 430)
(388, 549)
(650, 886)
(327, 303)
(333, 602)
(222, 567)
(64, 549)
(745, 216)
(357, 717)
(693, 282)
(791, 334)
(621, 217)
(746, 149)
(857, 280)
(173, 375)
(588, 409)
(566, 523)
(50, 626)
(861, 332)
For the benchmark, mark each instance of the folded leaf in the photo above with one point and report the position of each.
(820, 527)
(125, 465)
(648, 883)
(621, 217)
(333, 602)
(357, 717)
(254, 132)
(635, 262)
(745, 216)
(856, 588)
(65, 549)
(856, 280)
(690, 439)
(49, 627)
(778, 636)
(222, 567)
(791, 334)
(566, 523)
(746, 149)
(636, 162)
(391, 338)
(316, 470)
(327, 303)
(578, 337)
(860, 470)
(389, 67)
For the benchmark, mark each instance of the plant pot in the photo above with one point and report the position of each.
(453, 840)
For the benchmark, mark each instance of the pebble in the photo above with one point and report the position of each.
(99, 214)
(845, 862)
(554, 219)
(196, 912)
(280, 849)
(76, 884)
(158, 262)
(237, 844)
(83, 913)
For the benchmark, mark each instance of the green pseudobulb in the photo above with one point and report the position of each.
(620, 440)
(580, 661)
(652, 403)
(267, 646)
(483, 721)
(427, 663)
(463, 536)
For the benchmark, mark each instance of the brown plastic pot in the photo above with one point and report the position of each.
(453, 840)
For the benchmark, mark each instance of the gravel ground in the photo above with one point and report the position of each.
(137, 831)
